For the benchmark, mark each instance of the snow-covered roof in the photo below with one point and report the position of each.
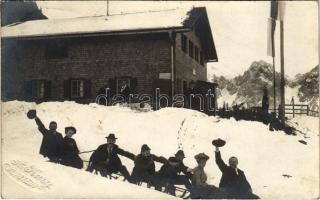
(179, 19)
(165, 19)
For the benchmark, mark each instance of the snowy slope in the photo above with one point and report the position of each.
(264, 156)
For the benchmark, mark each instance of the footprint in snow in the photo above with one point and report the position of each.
(286, 175)
(303, 142)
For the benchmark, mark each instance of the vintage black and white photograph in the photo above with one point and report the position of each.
(160, 99)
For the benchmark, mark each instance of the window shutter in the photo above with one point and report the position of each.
(67, 89)
(87, 88)
(113, 86)
(28, 90)
(47, 90)
(134, 83)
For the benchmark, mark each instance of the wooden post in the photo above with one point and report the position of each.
(274, 87)
(282, 81)
(293, 107)
(307, 110)
(274, 71)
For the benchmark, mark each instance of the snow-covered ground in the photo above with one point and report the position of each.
(278, 166)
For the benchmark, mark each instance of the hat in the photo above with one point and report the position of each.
(201, 156)
(70, 128)
(111, 136)
(145, 148)
(180, 152)
(31, 114)
(218, 142)
(52, 122)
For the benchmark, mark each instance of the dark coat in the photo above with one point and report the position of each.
(265, 102)
(171, 171)
(70, 153)
(193, 102)
(143, 164)
(126, 92)
(109, 159)
(52, 142)
(230, 178)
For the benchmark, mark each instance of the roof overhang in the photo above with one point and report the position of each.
(199, 21)
(174, 20)
(102, 33)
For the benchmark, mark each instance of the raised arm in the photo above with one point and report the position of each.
(126, 154)
(41, 127)
(159, 159)
(186, 170)
(222, 166)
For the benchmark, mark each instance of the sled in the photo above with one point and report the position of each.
(179, 191)
(185, 194)
(116, 176)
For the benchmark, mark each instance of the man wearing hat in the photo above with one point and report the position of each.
(52, 140)
(233, 180)
(105, 158)
(70, 152)
(144, 167)
(202, 190)
(170, 173)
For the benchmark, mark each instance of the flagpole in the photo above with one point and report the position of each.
(274, 72)
(282, 82)
(274, 87)
(107, 7)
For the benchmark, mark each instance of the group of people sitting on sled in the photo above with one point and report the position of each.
(105, 160)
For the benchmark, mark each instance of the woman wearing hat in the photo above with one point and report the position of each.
(199, 182)
(70, 153)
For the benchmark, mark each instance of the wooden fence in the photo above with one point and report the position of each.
(298, 109)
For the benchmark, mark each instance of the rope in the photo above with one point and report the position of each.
(86, 151)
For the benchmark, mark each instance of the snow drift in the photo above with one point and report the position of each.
(276, 165)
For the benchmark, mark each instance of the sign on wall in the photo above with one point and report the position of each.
(164, 75)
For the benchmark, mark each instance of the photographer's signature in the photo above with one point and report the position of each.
(27, 175)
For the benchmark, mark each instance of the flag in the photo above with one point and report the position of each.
(274, 9)
(281, 9)
(272, 27)
(270, 37)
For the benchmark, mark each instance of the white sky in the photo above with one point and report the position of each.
(239, 30)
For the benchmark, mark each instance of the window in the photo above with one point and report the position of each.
(56, 50)
(123, 85)
(77, 89)
(184, 43)
(201, 58)
(196, 53)
(191, 49)
(37, 91)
